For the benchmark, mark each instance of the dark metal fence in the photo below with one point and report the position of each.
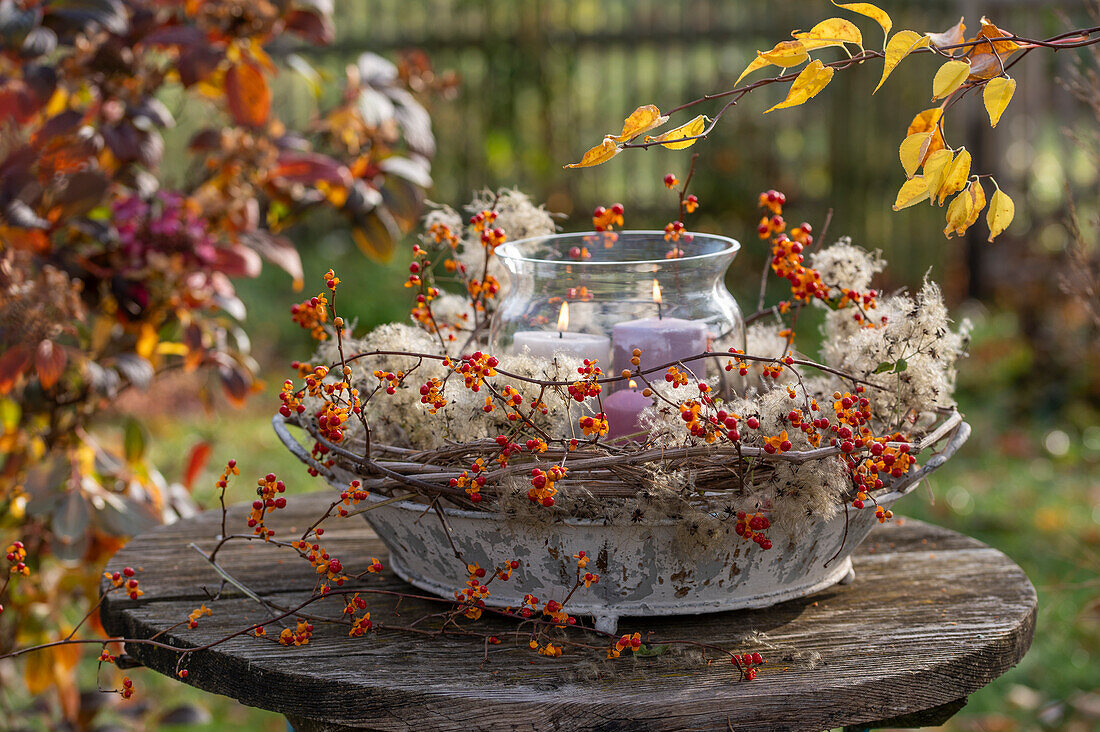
(542, 80)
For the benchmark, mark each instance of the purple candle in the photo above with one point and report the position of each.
(661, 341)
(623, 408)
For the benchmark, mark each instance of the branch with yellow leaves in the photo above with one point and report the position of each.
(981, 62)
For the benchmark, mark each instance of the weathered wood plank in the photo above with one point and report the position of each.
(931, 617)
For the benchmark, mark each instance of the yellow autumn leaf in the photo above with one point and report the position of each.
(912, 192)
(935, 169)
(675, 139)
(957, 214)
(172, 348)
(38, 672)
(1001, 211)
(929, 121)
(809, 83)
(879, 15)
(147, 341)
(949, 78)
(599, 154)
(757, 63)
(968, 206)
(831, 32)
(912, 151)
(997, 94)
(642, 119)
(977, 202)
(785, 54)
(900, 45)
(956, 176)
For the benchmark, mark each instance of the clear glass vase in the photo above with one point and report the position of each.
(600, 295)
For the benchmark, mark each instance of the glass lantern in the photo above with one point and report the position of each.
(601, 295)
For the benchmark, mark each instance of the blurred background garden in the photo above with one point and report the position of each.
(538, 82)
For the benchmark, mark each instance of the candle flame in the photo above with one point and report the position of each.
(633, 384)
(656, 292)
(563, 318)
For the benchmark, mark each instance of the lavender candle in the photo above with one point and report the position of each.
(661, 340)
(623, 408)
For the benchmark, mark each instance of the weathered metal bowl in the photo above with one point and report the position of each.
(645, 568)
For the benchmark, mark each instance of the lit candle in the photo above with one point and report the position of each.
(661, 340)
(547, 343)
(623, 408)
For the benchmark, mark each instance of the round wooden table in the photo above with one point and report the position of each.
(931, 617)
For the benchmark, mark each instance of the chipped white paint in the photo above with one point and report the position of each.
(646, 568)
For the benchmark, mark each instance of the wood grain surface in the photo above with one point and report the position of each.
(931, 617)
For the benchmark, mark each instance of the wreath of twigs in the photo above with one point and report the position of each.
(603, 469)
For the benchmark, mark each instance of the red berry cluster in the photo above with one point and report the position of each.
(676, 377)
(127, 581)
(471, 484)
(291, 402)
(507, 449)
(674, 231)
(351, 496)
(740, 364)
(299, 636)
(431, 394)
(772, 200)
(199, 612)
(311, 315)
(472, 597)
(625, 643)
(606, 219)
(788, 261)
(325, 565)
(389, 380)
(16, 554)
(504, 573)
(474, 369)
(752, 528)
(268, 489)
(483, 289)
(491, 237)
(747, 663)
(594, 426)
(361, 624)
(587, 387)
(542, 490)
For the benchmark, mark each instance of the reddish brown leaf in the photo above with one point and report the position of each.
(192, 338)
(247, 93)
(196, 461)
(12, 364)
(238, 261)
(175, 35)
(17, 103)
(197, 63)
(278, 250)
(49, 361)
(314, 27)
(306, 167)
(237, 384)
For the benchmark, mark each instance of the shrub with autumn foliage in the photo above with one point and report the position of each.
(109, 278)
